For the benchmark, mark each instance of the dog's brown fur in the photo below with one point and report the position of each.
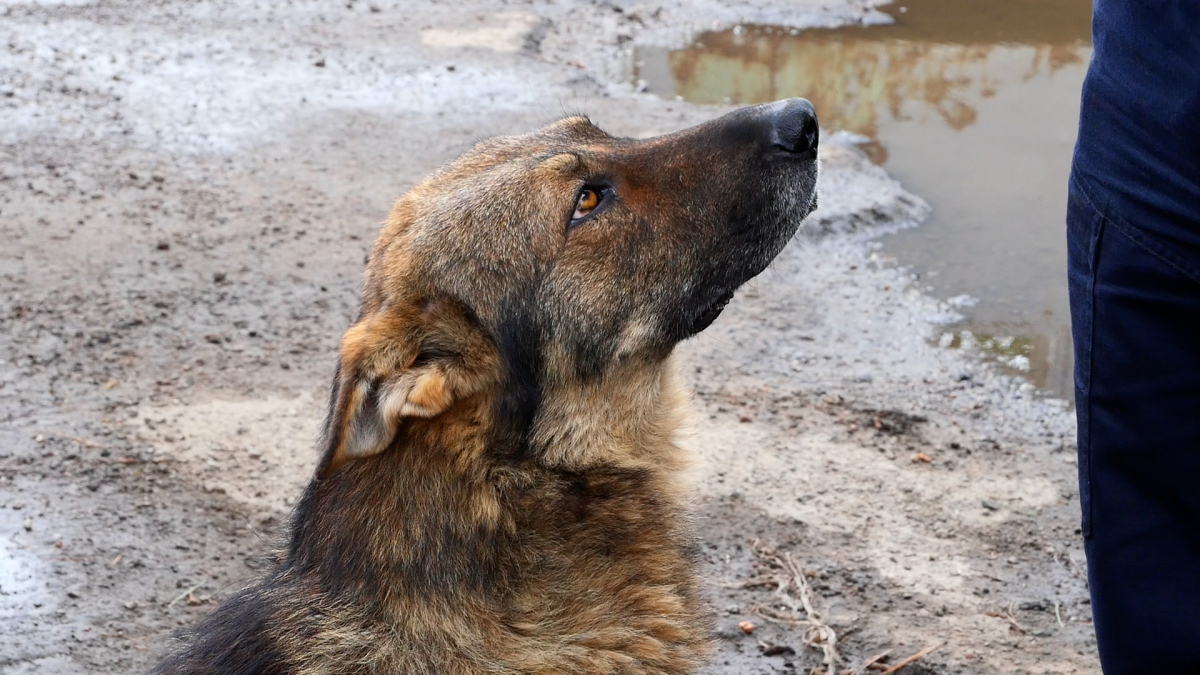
(499, 491)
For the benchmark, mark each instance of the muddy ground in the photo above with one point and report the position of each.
(187, 193)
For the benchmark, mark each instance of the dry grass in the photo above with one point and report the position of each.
(796, 610)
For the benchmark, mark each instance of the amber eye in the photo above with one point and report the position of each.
(589, 199)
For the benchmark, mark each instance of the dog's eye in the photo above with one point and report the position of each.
(588, 200)
(592, 199)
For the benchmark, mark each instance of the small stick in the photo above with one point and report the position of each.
(184, 594)
(912, 659)
(1057, 616)
(78, 439)
(750, 583)
(874, 660)
(1007, 615)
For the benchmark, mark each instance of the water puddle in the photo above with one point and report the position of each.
(973, 106)
(21, 574)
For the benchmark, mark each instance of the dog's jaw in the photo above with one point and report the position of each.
(709, 312)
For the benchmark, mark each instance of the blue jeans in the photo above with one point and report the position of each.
(1135, 313)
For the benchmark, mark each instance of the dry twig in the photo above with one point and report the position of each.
(1008, 616)
(753, 582)
(872, 663)
(793, 590)
(184, 594)
(912, 659)
(85, 442)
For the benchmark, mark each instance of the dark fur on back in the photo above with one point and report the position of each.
(499, 490)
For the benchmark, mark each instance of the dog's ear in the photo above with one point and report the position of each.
(396, 365)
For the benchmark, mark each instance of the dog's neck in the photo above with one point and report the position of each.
(628, 418)
(445, 489)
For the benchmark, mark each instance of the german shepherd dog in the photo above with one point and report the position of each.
(499, 490)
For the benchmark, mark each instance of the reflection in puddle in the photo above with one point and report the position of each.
(971, 105)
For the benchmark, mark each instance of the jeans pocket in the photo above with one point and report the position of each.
(1085, 226)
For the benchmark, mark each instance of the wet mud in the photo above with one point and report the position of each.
(187, 194)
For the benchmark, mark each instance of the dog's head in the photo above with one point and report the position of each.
(560, 256)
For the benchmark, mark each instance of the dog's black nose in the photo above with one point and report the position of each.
(794, 126)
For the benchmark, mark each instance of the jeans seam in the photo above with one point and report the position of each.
(1085, 451)
(1139, 239)
(1093, 273)
(1134, 235)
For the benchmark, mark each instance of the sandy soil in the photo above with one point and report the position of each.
(187, 193)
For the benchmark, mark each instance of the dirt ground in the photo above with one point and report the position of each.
(187, 193)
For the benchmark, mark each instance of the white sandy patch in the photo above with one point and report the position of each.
(507, 32)
(260, 451)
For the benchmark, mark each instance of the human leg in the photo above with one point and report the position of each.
(1135, 306)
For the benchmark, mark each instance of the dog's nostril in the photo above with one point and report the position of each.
(812, 132)
(795, 127)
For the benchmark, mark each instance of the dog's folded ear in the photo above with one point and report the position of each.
(400, 364)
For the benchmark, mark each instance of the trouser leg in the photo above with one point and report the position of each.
(1135, 309)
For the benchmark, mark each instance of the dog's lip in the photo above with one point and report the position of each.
(709, 312)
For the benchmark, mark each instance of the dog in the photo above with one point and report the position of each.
(499, 490)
